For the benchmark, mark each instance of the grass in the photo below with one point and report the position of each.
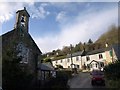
(110, 83)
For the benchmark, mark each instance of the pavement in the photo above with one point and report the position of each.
(82, 80)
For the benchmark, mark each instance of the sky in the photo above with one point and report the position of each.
(55, 24)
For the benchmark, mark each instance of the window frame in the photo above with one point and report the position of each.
(77, 58)
(68, 60)
(87, 58)
(100, 56)
(61, 61)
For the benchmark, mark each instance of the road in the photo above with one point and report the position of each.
(82, 80)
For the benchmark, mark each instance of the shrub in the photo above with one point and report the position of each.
(60, 82)
(112, 70)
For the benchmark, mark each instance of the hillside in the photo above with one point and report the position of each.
(110, 37)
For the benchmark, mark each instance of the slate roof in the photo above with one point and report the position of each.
(96, 51)
(75, 54)
(116, 48)
(46, 67)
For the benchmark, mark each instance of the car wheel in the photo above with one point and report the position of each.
(104, 84)
(93, 83)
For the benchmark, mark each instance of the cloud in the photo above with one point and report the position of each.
(39, 12)
(8, 10)
(47, 43)
(91, 25)
(61, 17)
(60, 0)
(84, 26)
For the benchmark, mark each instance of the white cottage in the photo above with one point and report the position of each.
(69, 62)
(95, 59)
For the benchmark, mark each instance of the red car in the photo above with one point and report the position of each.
(97, 77)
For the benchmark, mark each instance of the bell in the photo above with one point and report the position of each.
(22, 19)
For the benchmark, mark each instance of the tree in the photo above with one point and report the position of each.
(112, 70)
(90, 45)
(47, 60)
(76, 48)
(66, 50)
(85, 47)
(90, 41)
(111, 36)
(59, 53)
(81, 46)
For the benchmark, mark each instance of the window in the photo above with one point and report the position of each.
(102, 64)
(61, 61)
(100, 56)
(77, 58)
(96, 65)
(77, 66)
(23, 53)
(56, 61)
(68, 60)
(87, 58)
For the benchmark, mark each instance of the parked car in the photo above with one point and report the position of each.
(97, 77)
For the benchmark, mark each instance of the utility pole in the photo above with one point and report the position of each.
(71, 56)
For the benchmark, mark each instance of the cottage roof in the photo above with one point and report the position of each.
(116, 48)
(46, 66)
(75, 54)
(96, 51)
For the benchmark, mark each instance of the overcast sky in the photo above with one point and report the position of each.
(56, 24)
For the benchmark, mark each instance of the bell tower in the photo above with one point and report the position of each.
(22, 20)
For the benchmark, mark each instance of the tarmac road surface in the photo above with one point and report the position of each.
(83, 80)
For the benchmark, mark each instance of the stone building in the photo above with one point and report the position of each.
(20, 39)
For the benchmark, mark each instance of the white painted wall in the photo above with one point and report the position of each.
(67, 63)
(80, 61)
